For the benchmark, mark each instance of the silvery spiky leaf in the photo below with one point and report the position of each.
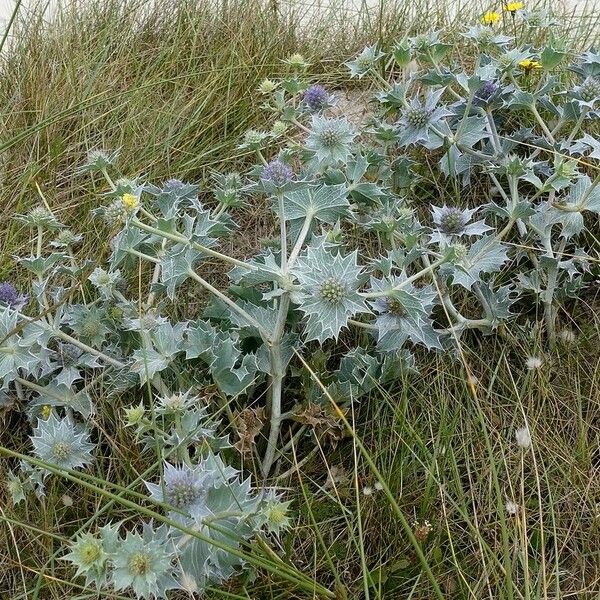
(173, 195)
(185, 489)
(228, 189)
(147, 321)
(364, 62)
(451, 222)
(230, 369)
(509, 60)
(328, 293)
(418, 118)
(144, 563)
(41, 217)
(164, 343)
(568, 211)
(429, 46)
(404, 314)
(326, 203)
(16, 488)
(486, 255)
(15, 354)
(359, 369)
(59, 392)
(176, 261)
(330, 140)
(234, 507)
(35, 478)
(98, 161)
(497, 301)
(62, 442)
(486, 37)
(105, 281)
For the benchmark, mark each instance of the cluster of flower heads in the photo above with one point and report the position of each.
(215, 510)
(356, 255)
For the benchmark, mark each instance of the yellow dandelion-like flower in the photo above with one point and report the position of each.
(130, 202)
(530, 65)
(490, 18)
(513, 7)
(46, 411)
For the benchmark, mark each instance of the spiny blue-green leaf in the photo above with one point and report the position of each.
(486, 255)
(325, 202)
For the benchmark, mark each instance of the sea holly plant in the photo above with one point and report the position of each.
(362, 269)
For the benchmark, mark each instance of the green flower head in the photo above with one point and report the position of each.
(62, 443)
(144, 563)
(330, 140)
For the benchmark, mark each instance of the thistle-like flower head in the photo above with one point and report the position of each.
(184, 488)
(330, 140)
(62, 443)
(418, 118)
(177, 403)
(40, 216)
(316, 98)
(329, 291)
(144, 563)
(403, 313)
(105, 281)
(277, 173)
(487, 92)
(9, 296)
(453, 222)
(98, 161)
(588, 92)
(273, 513)
(90, 557)
(297, 62)
(364, 62)
(254, 139)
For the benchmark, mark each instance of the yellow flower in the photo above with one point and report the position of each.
(130, 202)
(530, 65)
(46, 410)
(513, 7)
(490, 18)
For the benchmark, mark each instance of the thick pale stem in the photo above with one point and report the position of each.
(300, 241)
(282, 231)
(266, 335)
(542, 124)
(277, 375)
(407, 281)
(180, 239)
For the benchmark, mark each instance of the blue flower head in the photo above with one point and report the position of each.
(487, 92)
(277, 173)
(9, 296)
(316, 98)
(184, 488)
